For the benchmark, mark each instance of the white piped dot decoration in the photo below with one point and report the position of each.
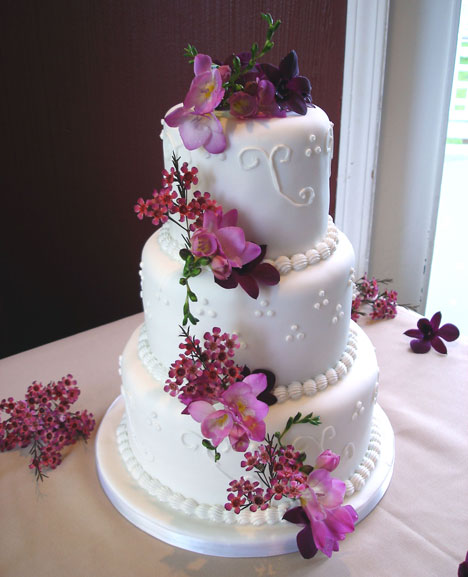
(358, 410)
(295, 334)
(320, 382)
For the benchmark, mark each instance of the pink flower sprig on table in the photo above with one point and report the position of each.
(43, 420)
(430, 334)
(383, 304)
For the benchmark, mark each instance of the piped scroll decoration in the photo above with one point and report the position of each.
(280, 154)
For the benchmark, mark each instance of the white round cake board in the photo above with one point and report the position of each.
(219, 539)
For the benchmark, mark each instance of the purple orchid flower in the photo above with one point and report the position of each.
(267, 395)
(256, 100)
(197, 123)
(241, 418)
(463, 568)
(325, 520)
(293, 92)
(250, 275)
(430, 334)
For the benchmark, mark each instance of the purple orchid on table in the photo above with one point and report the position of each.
(463, 568)
(430, 334)
(325, 520)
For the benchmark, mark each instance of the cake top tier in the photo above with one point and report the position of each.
(274, 171)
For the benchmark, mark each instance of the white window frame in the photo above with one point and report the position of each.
(363, 78)
(396, 93)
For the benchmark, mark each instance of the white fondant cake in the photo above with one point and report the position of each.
(275, 172)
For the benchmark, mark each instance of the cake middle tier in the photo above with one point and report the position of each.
(298, 329)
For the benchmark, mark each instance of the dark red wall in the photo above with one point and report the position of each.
(84, 86)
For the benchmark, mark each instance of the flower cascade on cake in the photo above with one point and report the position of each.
(228, 400)
(211, 236)
(241, 85)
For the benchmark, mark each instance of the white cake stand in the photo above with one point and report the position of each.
(161, 521)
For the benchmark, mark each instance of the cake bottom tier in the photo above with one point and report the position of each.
(162, 447)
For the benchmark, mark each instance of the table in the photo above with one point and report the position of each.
(67, 526)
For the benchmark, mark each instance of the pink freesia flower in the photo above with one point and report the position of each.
(325, 520)
(206, 90)
(241, 418)
(232, 250)
(198, 130)
(197, 123)
(327, 460)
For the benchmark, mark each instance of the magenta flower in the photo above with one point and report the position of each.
(220, 238)
(256, 100)
(198, 130)
(293, 92)
(430, 334)
(251, 275)
(463, 568)
(325, 520)
(197, 123)
(327, 460)
(241, 417)
(206, 90)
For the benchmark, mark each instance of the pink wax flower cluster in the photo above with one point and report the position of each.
(382, 305)
(43, 420)
(280, 470)
(240, 85)
(171, 201)
(215, 391)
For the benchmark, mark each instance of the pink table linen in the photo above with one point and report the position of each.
(67, 526)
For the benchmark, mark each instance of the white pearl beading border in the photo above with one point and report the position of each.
(321, 251)
(284, 264)
(310, 387)
(294, 390)
(359, 478)
(154, 367)
(218, 513)
(179, 502)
